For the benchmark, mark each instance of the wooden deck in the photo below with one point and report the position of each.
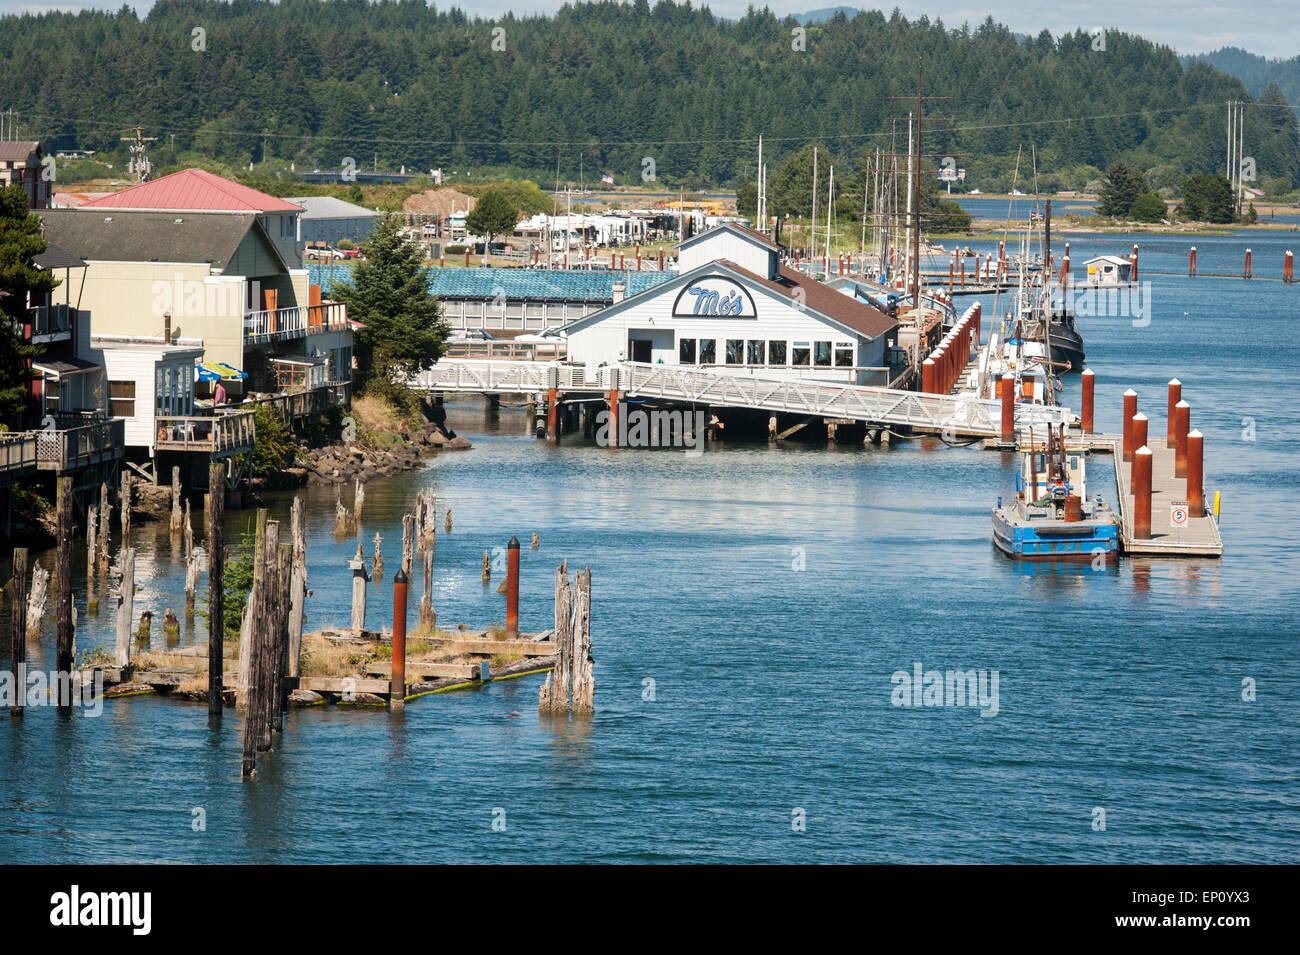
(1200, 538)
(217, 435)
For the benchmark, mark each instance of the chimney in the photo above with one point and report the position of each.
(167, 327)
(619, 289)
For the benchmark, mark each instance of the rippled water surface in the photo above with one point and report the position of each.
(1119, 690)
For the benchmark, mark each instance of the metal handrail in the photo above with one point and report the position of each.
(274, 324)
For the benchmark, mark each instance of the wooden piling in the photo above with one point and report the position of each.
(280, 636)
(1130, 409)
(553, 698)
(447, 523)
(125, 608)
(428, 618)
(1175, 396)
(216, 587)
(92, 525)
(379, 557)
(487, 567)
(189, 529)
(18, 631)
(63, 590)
(537, 541)
(584, 687)
(105, 510)
(359, 499)
(1008, 408)
(37, 595)
(176, 501)
(1139, 425)
(243, 682)
(1182, 424)
(124, 505)
(297, 587)
(359, 581)
(191, 579)
(512, 589)
(408, 543)
(397, 684)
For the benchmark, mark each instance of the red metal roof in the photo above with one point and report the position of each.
(193, 190)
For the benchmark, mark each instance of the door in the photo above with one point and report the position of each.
(641, 349)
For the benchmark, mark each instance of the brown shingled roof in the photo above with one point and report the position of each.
(857, 315)
(15, 150)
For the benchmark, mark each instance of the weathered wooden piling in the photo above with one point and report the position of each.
(447, 523)
(124, 506)
(146, 626)
(243, 682)
(408, 543)
(36, 598)
(358, 499)
(487, 567)
(512, 589)
(92, 526)
(63, 593)
(257, 725)
(584, 687)
(379, 557)
(297, 586)
(171, 623)
(216, 587)
(359, 580)
(553, 697)
(105, 511)
(189, 530)
(280, 646)
(125, 608)
(537, 541)
(191, 579)
(177, 514)
(428, 618)
(18, 631)
(397, 684)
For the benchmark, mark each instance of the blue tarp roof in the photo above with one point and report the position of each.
(568, 285)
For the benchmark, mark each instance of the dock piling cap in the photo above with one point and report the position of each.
(1175, 381)
(1194, 433)
(1087, 371)
(1130, 392)
(1143, 450)
(1182, 404)
(1139, 415)
(514, 543)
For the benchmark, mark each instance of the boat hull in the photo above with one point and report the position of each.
(1055, 541)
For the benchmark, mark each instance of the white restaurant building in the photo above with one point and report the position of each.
(735, 307)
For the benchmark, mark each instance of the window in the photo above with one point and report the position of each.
(822, 353)
(708, 351)
(753, 352)
(121, 399)
(735, 351)
(686, 351)
(843, 356)
(776, 353)
(802, 354)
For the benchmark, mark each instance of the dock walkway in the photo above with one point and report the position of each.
(1200, 538)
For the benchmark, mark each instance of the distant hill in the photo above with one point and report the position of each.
(627, 89)
(824, 14)
(1254, 70)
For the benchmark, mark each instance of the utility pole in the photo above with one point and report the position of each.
(139, 166)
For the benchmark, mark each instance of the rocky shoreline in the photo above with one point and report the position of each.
(350, 461)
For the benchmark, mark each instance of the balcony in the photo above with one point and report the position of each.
(219, 435)
(283, 324)
(51, 323)
(308, 403)
(17, 455)
(78, 442)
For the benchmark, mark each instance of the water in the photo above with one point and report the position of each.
(1119, 690)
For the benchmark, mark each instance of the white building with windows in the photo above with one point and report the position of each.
(735, 306)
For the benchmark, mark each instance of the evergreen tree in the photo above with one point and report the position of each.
(1148, 207)
(389, 293)
(1121, 189)
(494, 214)
(1207, 199)
(20, 242)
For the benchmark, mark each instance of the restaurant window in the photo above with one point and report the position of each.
(121, 399)
(822, 354)
(843, 356)
(735, 351)
(801, 354)
(753, 352)
(708, 351)
(686, 351)
(776, 353)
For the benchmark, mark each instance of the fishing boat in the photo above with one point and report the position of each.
(1051, 517)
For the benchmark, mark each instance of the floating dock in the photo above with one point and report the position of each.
(1199, 537)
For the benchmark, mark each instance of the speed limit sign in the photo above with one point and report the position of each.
(1178, 514)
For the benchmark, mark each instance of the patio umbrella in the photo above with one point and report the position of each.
(217, 370)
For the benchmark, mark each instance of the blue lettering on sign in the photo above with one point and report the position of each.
(708, 302)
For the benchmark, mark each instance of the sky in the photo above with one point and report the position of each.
(1268, 27)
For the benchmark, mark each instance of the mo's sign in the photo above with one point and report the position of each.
(714, 295)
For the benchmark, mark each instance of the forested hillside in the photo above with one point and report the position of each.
(1256, 71)
(314, 81)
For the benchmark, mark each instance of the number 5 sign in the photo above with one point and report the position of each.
(1178, 514)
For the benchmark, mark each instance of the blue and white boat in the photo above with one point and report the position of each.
(1051, 517)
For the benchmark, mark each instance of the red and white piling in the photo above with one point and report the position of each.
(1130, 409)
(1087, 382)
(1195, 473)
(1191, 263)
(1175, 396)
(1182, 422)
(1139, 425)
(1288, 268)
(1142, 493)
(1245, 268)
(1008, 385)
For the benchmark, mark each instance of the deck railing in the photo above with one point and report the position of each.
(50, 322)
(275, 324)
(215, 434)
(508, 350)
(86, 442)
(327, 317)
(300, 404)
(17, 454)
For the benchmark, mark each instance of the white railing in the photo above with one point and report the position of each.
(956, 414)
(50, 321)
(275, 324)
